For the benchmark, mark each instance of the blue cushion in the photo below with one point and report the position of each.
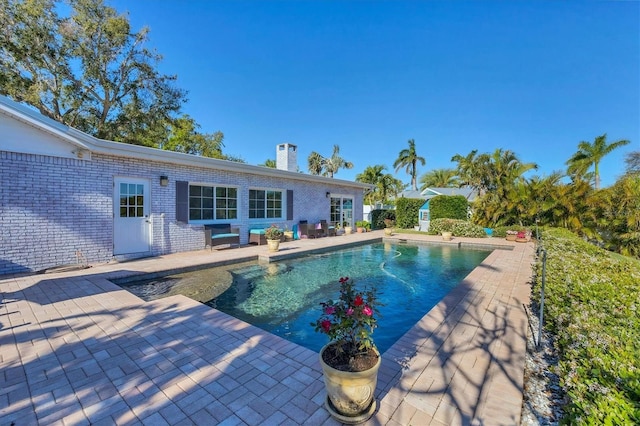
(256, 231)
(223, 235)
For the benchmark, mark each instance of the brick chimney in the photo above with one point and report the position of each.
(287, 157)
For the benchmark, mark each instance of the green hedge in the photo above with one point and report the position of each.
(407, 211)
(592, 305)
(379, 215)
(457, 227)
(449, 206)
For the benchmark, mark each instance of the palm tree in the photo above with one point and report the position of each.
(319, 165)
(389, 186)
(270, 163)
(491, 172)
(408, 158)
(335, 163)
(315, 163)
(469, 170)
(439, 178)
(590, 154)
(372, 175)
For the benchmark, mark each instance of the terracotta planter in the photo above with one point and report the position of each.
(360, 230)
(350, 396)
(274, 245)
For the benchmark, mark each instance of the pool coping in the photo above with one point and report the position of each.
(177, 361)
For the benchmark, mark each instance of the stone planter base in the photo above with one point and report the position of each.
(350, 395)
(350, 420)
(274, 245)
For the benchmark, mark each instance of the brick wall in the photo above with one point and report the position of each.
(59, 211)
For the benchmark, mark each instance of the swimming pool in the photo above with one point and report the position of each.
(284, 297)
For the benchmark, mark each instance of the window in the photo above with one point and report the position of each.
(212, 203)
(131, 200)
(265, 204)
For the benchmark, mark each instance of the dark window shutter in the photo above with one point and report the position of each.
(182, 201)
(289, 204)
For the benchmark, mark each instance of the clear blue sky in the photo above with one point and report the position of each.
(534, 77)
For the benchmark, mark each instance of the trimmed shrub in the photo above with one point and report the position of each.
(592, 301)
(379, 215)
(459, 228)
(407, 211)
(501, 231)
(449, 206)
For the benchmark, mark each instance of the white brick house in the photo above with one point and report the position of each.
(66, 195)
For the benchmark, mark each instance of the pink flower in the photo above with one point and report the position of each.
(358, 300)
(326, 325)
(329, 310)
(349, 312)
(367, 311)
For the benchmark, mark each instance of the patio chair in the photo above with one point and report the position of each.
(324, 228)
(306, 229)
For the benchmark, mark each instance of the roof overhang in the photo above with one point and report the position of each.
(92, 144)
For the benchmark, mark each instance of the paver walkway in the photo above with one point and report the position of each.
(76, 349)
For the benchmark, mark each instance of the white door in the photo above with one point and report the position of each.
(131, 224)
(342, 210)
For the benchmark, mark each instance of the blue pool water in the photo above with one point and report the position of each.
(283, 298)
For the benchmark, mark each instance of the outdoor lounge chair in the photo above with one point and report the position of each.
(221, 234)
(322, 228)
(331, 230)
(307, 229)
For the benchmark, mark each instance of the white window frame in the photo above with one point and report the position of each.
(283, 204)
(215, 219)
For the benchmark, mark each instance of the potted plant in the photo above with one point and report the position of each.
(511, 235)
(273, 234)
(347, 227)
(388, 226)
(350, 361)
(361, 226)
(522, 237)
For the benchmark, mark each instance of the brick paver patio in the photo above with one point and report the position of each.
(75, 349)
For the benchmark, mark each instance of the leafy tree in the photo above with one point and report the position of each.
(408, 158)
(319, 165)
(439, 178)
(615, 215)
(590, 154)
(632, 161)
(87, 70)
(183, 137)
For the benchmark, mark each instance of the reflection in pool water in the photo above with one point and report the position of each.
(284, 297)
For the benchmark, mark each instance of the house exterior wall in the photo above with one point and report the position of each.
(57, 211)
